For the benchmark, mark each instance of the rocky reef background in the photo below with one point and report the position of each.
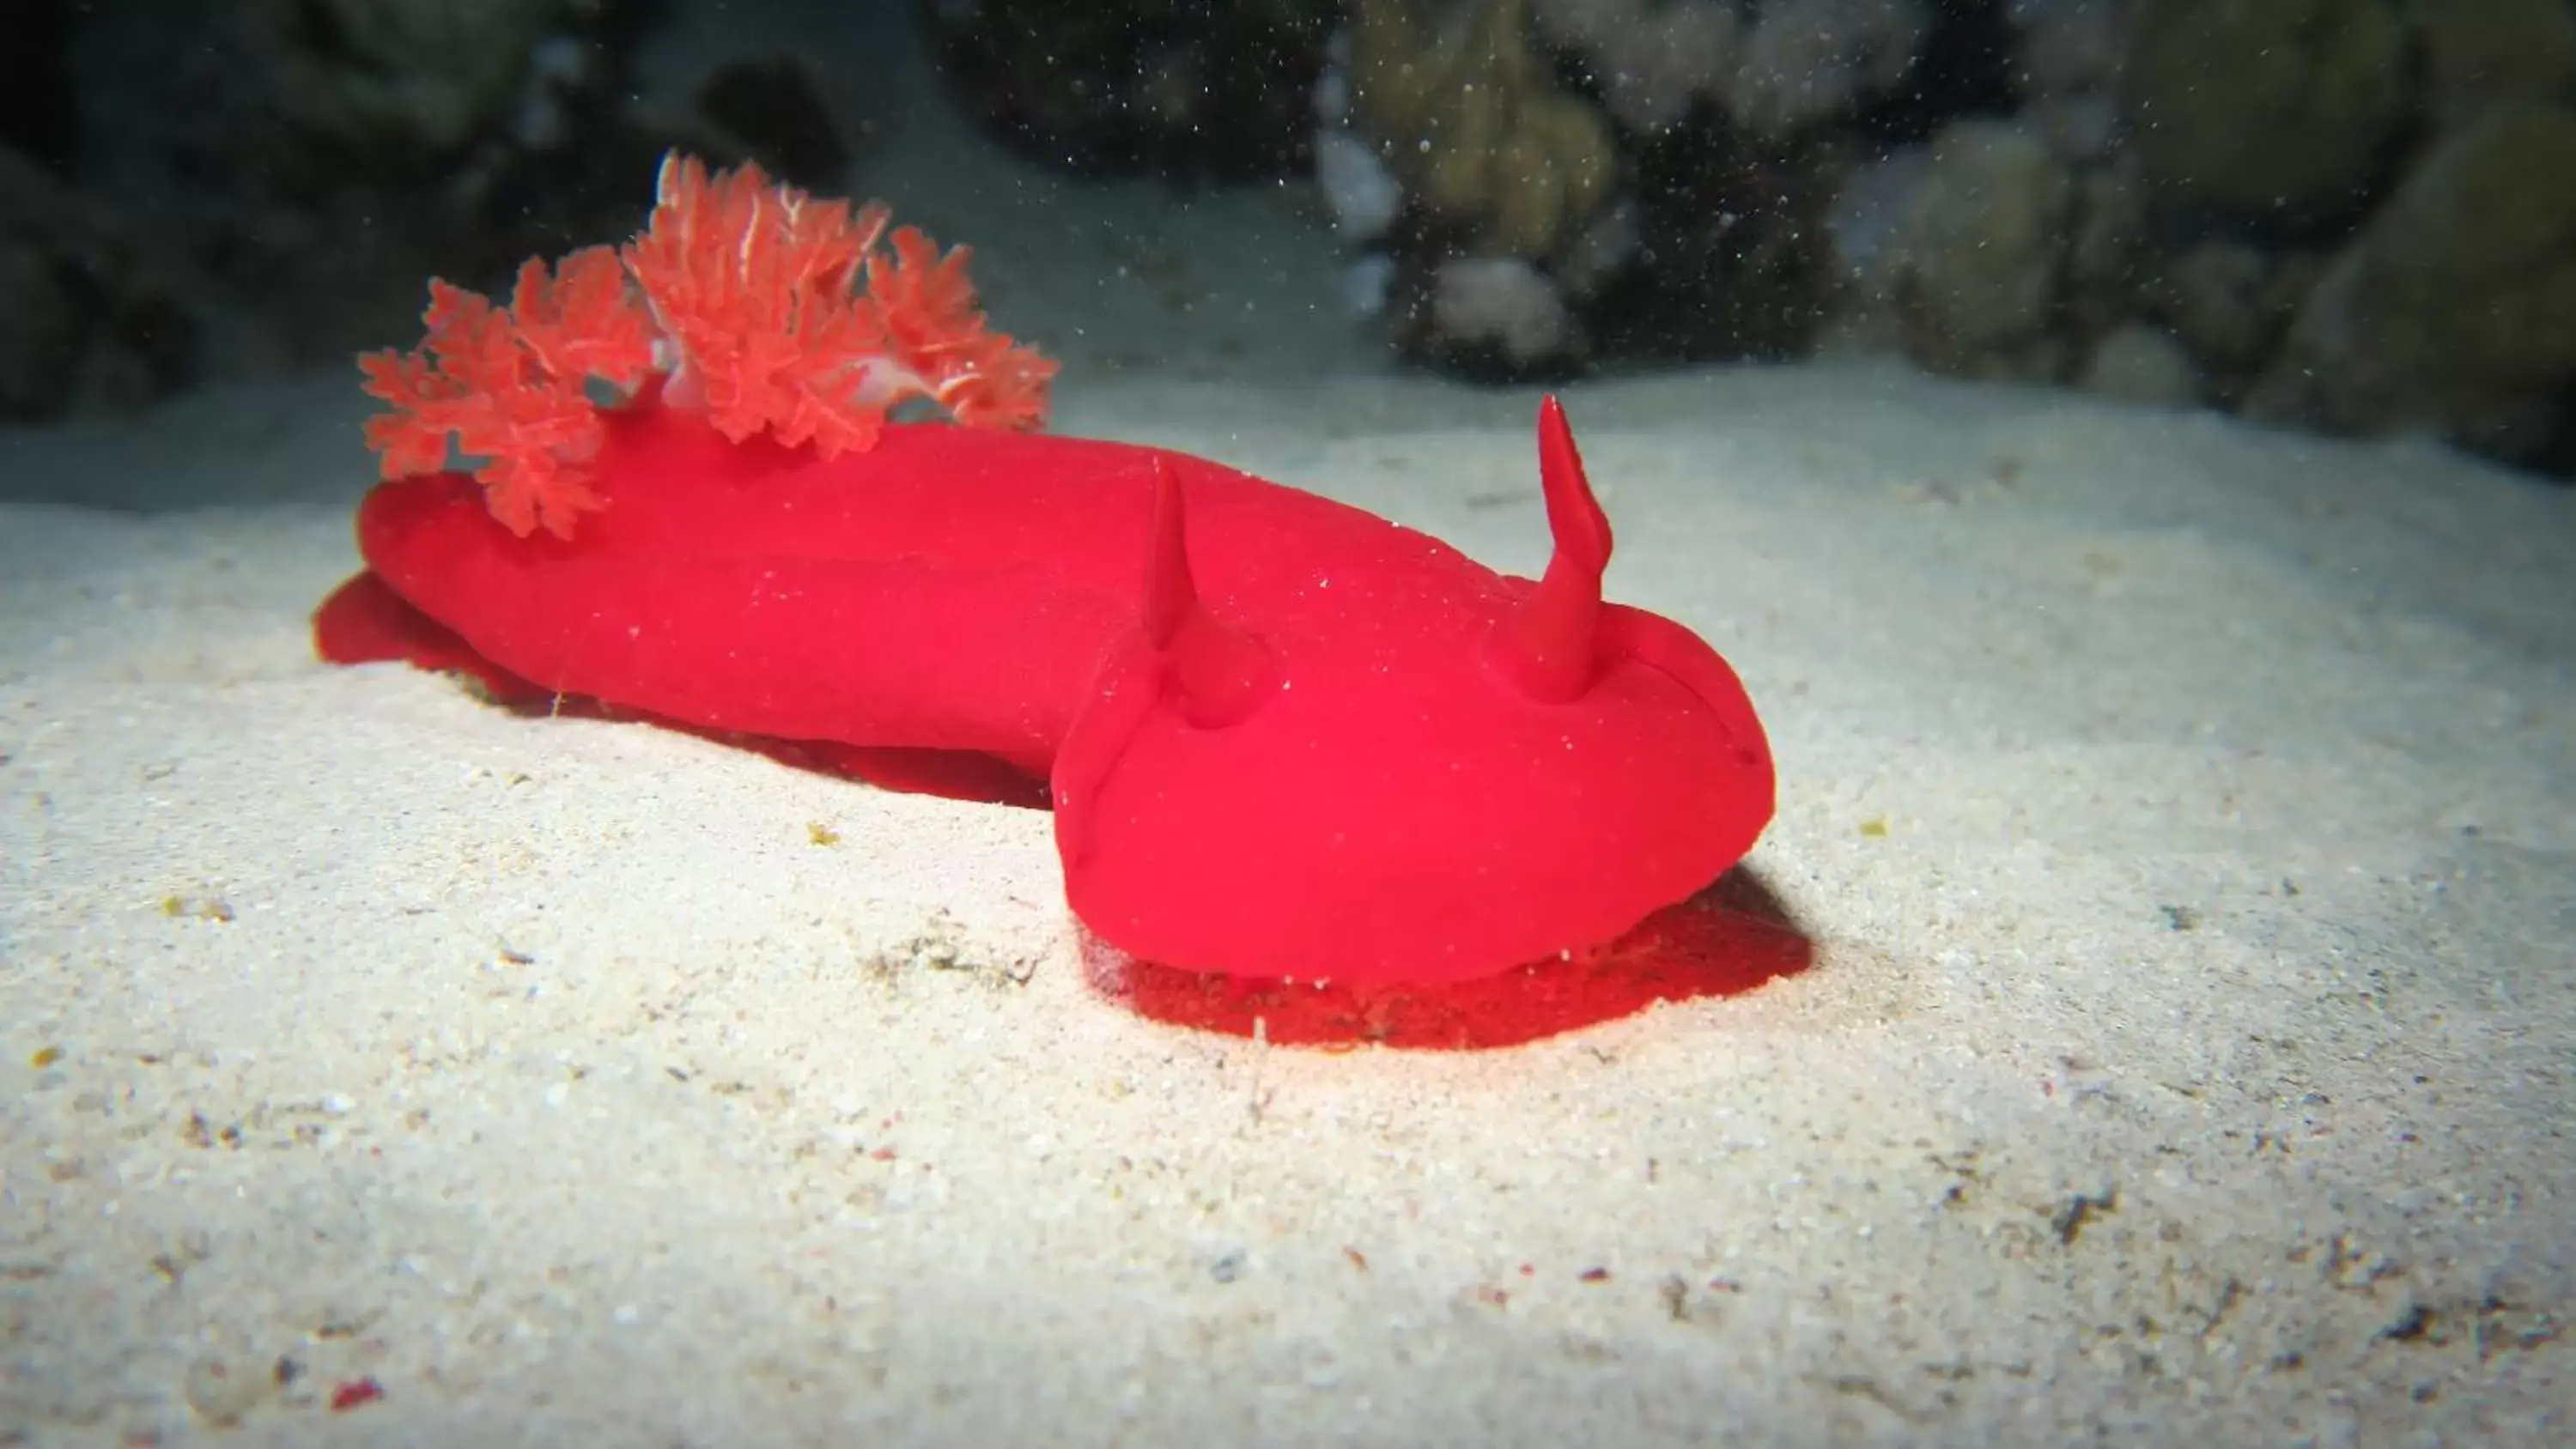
(2352, 215)
(264, 184)
(2355, 215)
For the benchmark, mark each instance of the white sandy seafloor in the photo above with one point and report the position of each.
(2188, 1058)
(2182, 815)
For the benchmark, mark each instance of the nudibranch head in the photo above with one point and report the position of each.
(1454, 775)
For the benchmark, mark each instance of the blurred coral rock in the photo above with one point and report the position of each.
(1978, 255)
(2456, 308)
(1772, 68)
(2476, 54)
(2142, 364)
(1469, 114)
(1503, 305)
(2266, 105)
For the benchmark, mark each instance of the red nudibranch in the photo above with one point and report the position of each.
(1281, 736)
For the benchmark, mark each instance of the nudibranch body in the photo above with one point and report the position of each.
(1281, 736)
